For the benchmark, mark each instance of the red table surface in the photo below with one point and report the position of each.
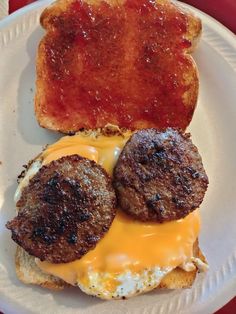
(222, 10)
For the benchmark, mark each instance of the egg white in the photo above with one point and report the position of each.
(30, 172)
(129, 283)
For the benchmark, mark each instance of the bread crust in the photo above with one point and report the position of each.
(29, 273)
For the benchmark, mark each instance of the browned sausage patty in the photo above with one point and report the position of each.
(159, 176)
(65, 210)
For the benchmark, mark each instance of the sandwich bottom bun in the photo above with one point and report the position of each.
(104, 147)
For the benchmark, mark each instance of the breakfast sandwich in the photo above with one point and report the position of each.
(114, 213)
(113, 207)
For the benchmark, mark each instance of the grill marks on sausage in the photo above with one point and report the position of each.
(65, 210)
(63, 191)
(159, 176)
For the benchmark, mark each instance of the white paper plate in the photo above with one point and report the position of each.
(213, 130)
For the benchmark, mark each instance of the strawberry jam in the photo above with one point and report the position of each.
(124, 64)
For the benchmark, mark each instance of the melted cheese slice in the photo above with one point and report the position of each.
(129, 244)
(102, 149)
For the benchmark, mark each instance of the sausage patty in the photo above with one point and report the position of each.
(65, 210)
(159, 176)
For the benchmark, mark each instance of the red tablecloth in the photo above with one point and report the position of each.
(222, 10)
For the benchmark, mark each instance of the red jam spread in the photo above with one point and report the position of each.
(122, 64)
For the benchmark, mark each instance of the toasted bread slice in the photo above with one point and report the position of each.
(29, 273)
(116, 62)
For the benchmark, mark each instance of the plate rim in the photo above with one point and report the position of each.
(217, 27)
